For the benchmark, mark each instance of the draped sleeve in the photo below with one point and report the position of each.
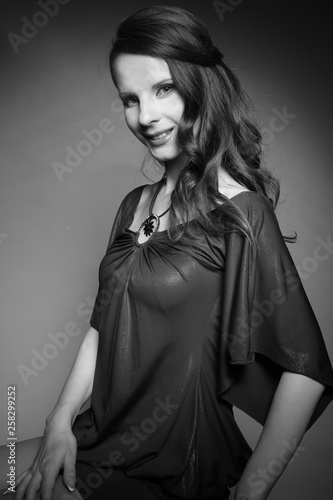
(122, 218)
(268, 325)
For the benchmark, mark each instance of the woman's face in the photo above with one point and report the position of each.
(153, 107)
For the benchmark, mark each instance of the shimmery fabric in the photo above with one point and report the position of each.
(186, 332)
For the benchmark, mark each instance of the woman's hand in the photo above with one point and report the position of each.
(58, 448)
(57, 453)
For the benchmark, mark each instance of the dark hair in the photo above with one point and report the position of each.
(227, 134)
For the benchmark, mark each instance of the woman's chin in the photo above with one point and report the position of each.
(165, 157)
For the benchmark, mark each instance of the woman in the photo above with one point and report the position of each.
(199, 306)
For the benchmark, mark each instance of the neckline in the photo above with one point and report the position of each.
(140, 191)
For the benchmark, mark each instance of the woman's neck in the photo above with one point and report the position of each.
(172, 171)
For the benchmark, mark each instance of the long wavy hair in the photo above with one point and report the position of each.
(226, 135)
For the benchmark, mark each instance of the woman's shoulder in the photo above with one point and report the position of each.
(238, 194)
(144, 189)
(247, 198)
(256, 207)
(229, 187)
(134, 195)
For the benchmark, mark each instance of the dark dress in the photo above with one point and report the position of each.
(186, 332)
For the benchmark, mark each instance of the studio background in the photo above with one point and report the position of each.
(57, 207)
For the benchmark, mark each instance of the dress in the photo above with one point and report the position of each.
(186, 332)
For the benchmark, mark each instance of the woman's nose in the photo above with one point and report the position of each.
(149, 113)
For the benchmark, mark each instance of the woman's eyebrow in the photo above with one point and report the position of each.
(156, 85)
(162, 82)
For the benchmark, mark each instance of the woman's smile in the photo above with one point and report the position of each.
(159, 138)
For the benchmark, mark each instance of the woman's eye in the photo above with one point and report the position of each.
(166, 89)
(129, 101)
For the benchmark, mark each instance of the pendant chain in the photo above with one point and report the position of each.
(154, 198)
(151, 223)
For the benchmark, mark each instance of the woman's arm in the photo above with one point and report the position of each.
(78, 386)
(294, 402)
(58, 447)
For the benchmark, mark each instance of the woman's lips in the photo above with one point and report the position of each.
(160, 138)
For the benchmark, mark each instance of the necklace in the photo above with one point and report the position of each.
(150, 224)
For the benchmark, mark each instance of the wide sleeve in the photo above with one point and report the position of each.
(268, 325)
(122, 218)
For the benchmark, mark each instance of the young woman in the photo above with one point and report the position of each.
(199, 306)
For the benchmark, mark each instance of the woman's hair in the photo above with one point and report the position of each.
(226, 134)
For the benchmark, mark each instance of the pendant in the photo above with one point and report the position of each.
(149, 226)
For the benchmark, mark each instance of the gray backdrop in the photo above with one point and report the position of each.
(62, 181)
